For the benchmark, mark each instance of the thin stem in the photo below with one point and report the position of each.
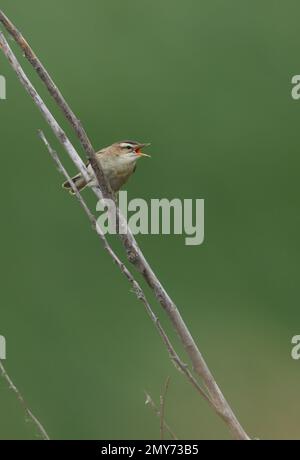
(149, 401)
(162, 407)
(32, 417)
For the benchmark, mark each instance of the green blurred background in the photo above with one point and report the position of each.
(208, 83)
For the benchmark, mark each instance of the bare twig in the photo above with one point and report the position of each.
(134, 254)
(162, 407)
(149, 401)
(32, 417)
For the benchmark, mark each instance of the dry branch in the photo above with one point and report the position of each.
(61, 136)
(12, 386)
(162, 401)
(134, 254)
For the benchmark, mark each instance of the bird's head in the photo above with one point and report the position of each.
(129, 149)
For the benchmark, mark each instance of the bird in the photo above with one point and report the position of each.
(118, 162)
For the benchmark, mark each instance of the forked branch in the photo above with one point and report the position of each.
(182, 367)
(149, 401)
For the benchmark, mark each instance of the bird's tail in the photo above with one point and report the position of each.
(78, 180)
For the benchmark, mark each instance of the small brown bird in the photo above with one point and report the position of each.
(118, 162)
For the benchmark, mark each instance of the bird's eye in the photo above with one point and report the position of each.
(128, 147)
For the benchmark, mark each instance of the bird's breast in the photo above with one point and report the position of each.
(117, 171)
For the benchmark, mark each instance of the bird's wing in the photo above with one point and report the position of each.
(100, 152)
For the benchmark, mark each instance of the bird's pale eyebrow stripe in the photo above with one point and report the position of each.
(126, 144)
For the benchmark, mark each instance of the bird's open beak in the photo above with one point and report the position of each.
(138, 150)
